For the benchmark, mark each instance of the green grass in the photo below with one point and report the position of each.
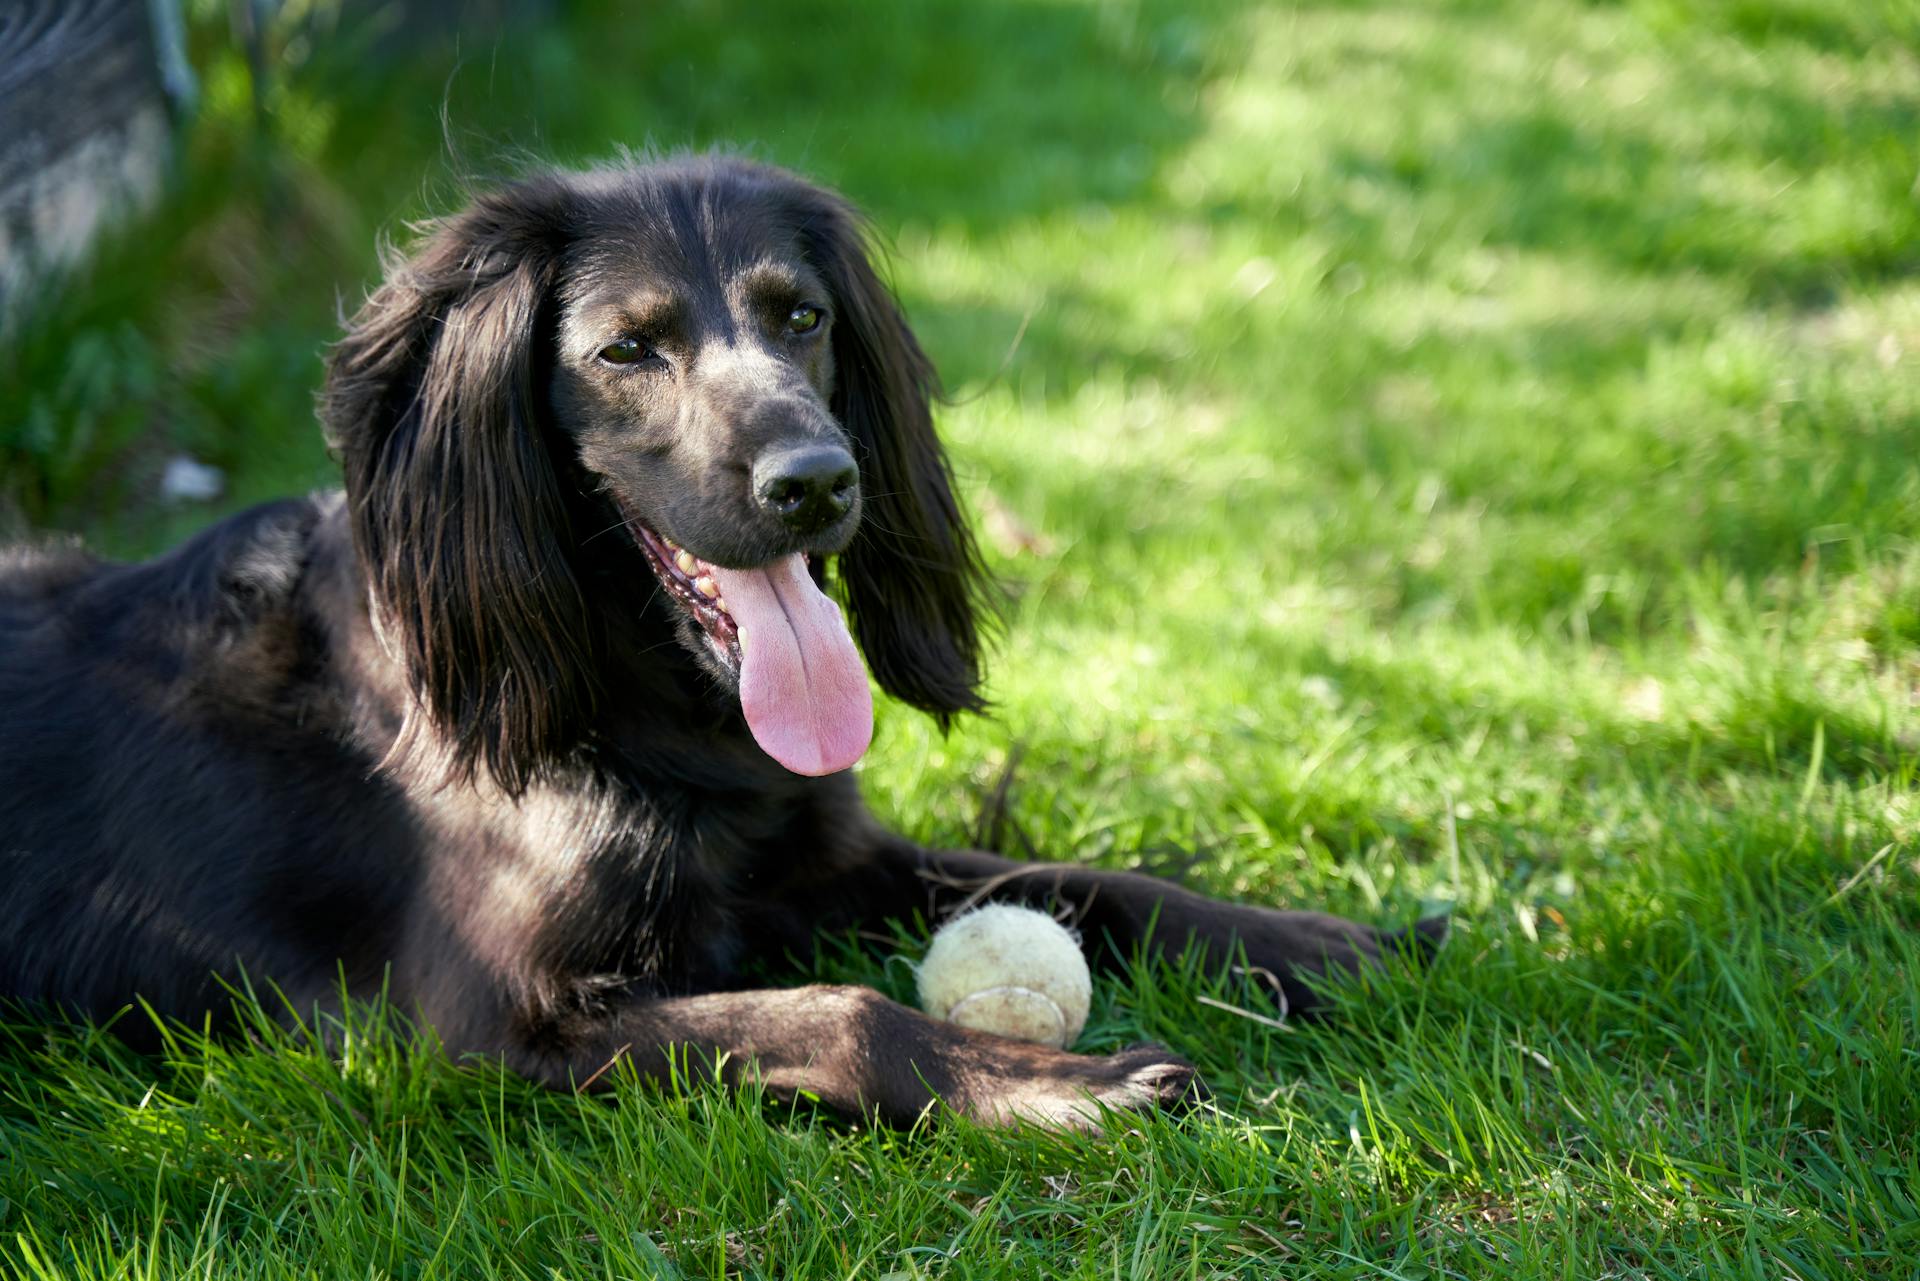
(1444, 454)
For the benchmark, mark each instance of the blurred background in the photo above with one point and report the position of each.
(1480, 252)
(1442, 453)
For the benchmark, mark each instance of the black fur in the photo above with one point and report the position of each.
(445, 732)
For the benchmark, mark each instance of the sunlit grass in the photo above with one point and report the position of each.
(1442, 456)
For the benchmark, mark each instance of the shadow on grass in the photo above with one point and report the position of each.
(1683, 194)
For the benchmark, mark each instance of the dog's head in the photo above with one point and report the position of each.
(699, 355)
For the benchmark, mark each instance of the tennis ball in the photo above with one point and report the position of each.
(1008, 970)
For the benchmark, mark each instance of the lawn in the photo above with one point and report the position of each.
(1453, 456)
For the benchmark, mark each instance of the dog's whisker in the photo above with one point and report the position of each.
(618, 524)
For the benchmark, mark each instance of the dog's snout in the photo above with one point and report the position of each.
(808, 487)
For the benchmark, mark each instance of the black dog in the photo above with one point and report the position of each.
(545, 721)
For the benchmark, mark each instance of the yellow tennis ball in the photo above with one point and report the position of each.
(1008, 970)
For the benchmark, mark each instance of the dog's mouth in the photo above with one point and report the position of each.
(691, 583)
(803, 688)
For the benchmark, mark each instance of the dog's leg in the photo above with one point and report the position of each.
(1115, 912)
(858, 1052)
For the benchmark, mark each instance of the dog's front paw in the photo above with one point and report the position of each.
(1079, 1092)
(1151, 1079)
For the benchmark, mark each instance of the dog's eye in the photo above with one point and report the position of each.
(625, 352)
(803, 320)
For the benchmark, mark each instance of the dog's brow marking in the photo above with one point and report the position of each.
(769, 279)
(650, 313)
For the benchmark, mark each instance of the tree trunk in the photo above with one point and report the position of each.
(83, 129)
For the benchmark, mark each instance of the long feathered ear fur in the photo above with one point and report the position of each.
(435, 402)
(915, 583)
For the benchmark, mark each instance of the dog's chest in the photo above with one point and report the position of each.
(608, 886)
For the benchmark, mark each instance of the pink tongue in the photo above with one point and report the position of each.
(802, 684)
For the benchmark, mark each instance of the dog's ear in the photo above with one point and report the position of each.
(915, 583)
(435, 401)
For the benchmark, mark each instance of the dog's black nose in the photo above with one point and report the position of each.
(808, 486)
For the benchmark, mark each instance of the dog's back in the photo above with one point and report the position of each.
(172, 804)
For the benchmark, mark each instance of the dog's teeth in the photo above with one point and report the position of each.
(740, 637)
(685, 561)
(706, 586)
(720, 603)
